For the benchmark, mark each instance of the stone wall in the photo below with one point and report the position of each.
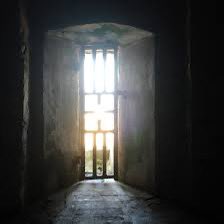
(136, 162)
(61, 113)
(14, 106)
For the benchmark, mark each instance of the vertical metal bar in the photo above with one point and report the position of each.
(104, 156)
(104, 70)
(94, 69)
(99, 125)
(94, 155)
(81, 117)
(115, 114)
(98, 98)
(94, 90)
(99, 101)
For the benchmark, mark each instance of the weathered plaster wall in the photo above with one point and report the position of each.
(136, 115)
(61, 114)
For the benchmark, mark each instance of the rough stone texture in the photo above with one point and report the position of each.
(136, 159)
(107, 201)
(61, 113)
(101, 33)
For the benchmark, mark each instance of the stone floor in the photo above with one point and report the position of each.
(107, 201)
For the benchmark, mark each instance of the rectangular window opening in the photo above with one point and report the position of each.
(99, 111)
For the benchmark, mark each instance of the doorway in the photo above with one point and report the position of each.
(99, 111)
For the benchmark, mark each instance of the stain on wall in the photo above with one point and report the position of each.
(136, 150)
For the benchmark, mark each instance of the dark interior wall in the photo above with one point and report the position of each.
(14, 106)
(25, 50)
(34, 179)
(61, 113)
(206, 93)
(136, 138)
(173, 153)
